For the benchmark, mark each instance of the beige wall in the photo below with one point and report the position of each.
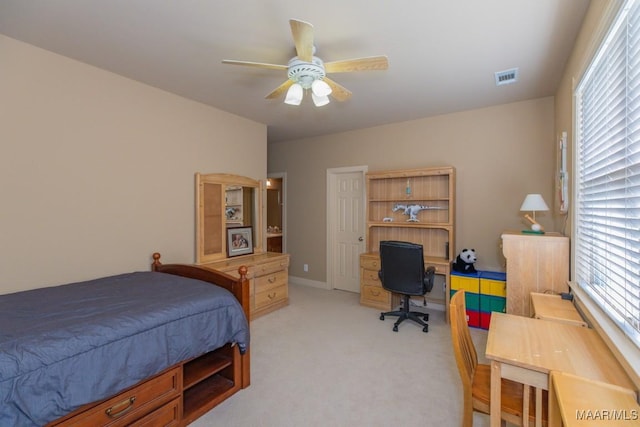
(97, 171)
(500, 153)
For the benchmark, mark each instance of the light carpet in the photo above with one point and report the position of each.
(325, 360)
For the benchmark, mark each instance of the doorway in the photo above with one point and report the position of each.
(345, 226)
(276, 212)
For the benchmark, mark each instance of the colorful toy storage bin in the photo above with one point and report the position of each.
(493, 295)
(471, 285)
(486, 292)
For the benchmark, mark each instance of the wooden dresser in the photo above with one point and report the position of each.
(535, 263)
(268, 275)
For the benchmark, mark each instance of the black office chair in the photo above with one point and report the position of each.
(402, 272)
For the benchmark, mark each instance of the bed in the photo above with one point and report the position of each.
(142, 348)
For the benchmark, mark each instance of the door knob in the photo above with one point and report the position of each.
(360, 239)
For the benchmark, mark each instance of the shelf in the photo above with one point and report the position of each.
(405, 200)
(203, 367)
(409, 224)
(204, 395)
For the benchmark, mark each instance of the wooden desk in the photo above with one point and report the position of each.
(525, 350)
(577, 401)
(553, 307)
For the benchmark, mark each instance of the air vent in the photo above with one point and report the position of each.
(507, 76)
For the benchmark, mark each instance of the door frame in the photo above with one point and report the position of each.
(332, 174)
(283, 176)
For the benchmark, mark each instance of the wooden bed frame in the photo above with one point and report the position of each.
(185, 391)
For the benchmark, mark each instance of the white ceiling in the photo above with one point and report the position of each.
(442, 53)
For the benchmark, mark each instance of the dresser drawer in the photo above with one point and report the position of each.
(370, 263)
(370, 276)
(375, 294)
(270, 281)
(127, 406)
(271, 296)
(271, 267)
(167, 416)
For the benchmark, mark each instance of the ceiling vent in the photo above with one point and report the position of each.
(507, 76)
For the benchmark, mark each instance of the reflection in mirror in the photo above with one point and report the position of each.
(274, 210)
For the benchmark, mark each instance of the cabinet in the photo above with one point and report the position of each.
(412, 205)
(535, 263)
(268, 279)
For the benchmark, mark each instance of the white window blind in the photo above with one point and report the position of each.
(607, 234)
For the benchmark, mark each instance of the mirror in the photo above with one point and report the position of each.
(224, 201)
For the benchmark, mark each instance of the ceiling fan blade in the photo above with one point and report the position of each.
(337, 91)
(359, 64)
(303, 38)
(255, 64)
(280, 90)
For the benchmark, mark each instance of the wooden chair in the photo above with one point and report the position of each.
(476, 378)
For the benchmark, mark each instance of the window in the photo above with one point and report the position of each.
(607, 221)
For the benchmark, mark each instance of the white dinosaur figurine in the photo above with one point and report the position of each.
(412, 210)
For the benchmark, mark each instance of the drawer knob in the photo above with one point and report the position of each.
(272, 279)
(375, 293)
(126, 406)
(271, 296)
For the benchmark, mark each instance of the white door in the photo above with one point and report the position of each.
(346, 228)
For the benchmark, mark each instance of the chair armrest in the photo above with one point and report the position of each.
(429, 275)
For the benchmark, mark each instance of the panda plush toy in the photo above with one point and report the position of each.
(464, 261)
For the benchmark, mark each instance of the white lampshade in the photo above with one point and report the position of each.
(533, 203)
(319, 101)
(320, 88)
(294, 95)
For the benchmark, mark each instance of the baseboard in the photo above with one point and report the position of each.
(306, 282)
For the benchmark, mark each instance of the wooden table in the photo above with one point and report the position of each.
(553, 307)
(577, 401)
(525, 350)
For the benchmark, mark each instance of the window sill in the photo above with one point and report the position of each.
(623, 348)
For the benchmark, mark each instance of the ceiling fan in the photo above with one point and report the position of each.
(307, 71)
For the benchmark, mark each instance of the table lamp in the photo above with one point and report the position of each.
(533, 203)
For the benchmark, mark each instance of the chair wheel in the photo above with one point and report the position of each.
(426, 317)
(395, 328)
(425, 329)
(381, 316)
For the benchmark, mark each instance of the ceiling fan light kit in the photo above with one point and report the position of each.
(306, 71)
(307, 75)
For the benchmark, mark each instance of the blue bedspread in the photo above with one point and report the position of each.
(65, 346)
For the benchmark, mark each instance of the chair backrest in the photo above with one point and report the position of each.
(402, 268)
(463, 348)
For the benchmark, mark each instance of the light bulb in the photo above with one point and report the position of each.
(319, 100)
(294, 95)
(320, 88)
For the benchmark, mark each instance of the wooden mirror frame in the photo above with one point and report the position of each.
(211, 229)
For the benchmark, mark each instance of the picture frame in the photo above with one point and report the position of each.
(239, 241)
